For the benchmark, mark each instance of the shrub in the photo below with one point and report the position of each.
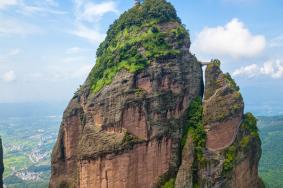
(229, 158)
(231, 82)
(195, 128)
(250, 124)
(135, 40)
(245, 141)
(169, 184)
(217, 62)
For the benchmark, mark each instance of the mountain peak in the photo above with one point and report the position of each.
(143, 103)
(140, 36)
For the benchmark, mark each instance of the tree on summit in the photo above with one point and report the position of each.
(137, 2)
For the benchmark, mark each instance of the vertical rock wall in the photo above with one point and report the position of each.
(125, 126)
(233, 148)
(1, 164)
(128, 134)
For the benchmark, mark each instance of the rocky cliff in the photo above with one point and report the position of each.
(1, 164)
(139, 120)
(228, 153)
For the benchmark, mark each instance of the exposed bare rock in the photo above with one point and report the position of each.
(128, 134)
(132, 137)
(138, 167)
(184, 177)
(232, 151)
(142, 119)
(223, 108)
(1, 164)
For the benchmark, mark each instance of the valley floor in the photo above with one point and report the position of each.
(28, 142)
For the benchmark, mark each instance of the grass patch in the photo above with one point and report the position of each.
(229, 158)
(169, 184)
(195, 128)
(135, 40)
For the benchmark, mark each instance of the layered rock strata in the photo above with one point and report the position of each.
(233, 148)
(143, 119)
(127, 134)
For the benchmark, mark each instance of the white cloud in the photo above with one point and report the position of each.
(6, 3)
(56, 73)
(9, 76)
(74, 50)
(45, 6)
(77, 50)
(272, 68)
(94, 12)
(233, 39)
(88, 11)
(250, 71)
(15, 27)
(39, 9)
(90, 34)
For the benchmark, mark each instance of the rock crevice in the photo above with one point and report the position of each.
(127, 126)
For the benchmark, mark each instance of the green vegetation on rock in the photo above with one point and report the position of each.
(129, 138)
(159, 10)
(229, 158)
(249, 127)
(221, 92)
(250, 124)
(231, 82)
(169, 184)
(195, 128)
(271, 163)
(216, 62)
(135, 40)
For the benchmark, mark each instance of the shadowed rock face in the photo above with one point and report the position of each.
(232, 150)
(128, 134)
(121, 138)
(223, 108)
(1, 164)
(233, 147)
(125, 127)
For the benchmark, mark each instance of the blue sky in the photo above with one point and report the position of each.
(47, 47)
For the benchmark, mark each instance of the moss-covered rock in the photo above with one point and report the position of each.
(140, 120)
(136, 39)
(222, 97)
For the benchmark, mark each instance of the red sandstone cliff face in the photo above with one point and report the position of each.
(232, 151)
(223, 108)
(139, 167)
(128, 134)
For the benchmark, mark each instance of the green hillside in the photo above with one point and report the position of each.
(271, 164)
(24, 136)
(28, 142)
